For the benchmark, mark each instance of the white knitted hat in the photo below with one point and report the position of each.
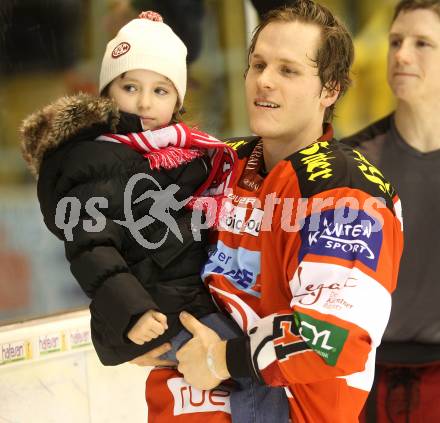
(146, 43)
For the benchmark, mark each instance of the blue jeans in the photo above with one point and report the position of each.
(250, 401)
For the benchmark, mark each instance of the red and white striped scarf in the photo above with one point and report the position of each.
(178, 144)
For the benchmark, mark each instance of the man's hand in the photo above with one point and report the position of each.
(151, 358)
(149, 326)
(193, 356)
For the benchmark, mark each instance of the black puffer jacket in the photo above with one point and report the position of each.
(122, 278)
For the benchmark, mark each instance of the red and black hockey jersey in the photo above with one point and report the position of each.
(305, 261)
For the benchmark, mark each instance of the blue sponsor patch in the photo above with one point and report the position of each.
(344, 233)
(239, 265)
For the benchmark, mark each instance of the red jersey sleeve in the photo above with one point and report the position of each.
(340, 278)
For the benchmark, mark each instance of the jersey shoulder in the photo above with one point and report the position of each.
(242, 145)
(329, 165)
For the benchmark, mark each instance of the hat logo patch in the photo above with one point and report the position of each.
(120, 50)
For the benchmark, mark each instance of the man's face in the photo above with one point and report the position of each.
(285, 99)
(414, 56)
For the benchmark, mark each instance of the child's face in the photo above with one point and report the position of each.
(147, 94)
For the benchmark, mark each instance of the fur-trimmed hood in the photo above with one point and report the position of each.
(62, 120)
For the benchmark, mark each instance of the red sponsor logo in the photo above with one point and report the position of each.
(287, 337)
(311, 293)
(193, 397)
(189, 400)
(120, 50)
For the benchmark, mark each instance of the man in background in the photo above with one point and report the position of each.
(406, 146)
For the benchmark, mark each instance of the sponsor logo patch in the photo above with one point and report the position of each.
(327, 234)
(373, 174)
(240, 266)
(317, 160)
(51, 343)
(79, 338)
(188, 400)
(15, 351)
(286, 340)
(235, 145)
(326, 339)
(120, 50)
(329, 291)
(235, 221)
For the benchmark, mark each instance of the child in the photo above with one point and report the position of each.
(89, 151)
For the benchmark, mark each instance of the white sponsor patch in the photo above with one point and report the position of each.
(15, 351)
(188, 399)
(346, 293)
(52, 342)
(253, 225)
(234, 220)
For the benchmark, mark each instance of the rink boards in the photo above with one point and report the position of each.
(49, 372)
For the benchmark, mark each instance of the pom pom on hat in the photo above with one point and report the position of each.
(152, 16)
(146, 43)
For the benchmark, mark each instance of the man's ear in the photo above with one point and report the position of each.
(329, 95)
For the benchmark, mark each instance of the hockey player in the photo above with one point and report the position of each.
(309, 253)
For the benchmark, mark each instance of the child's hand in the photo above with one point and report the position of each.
(149, 326)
